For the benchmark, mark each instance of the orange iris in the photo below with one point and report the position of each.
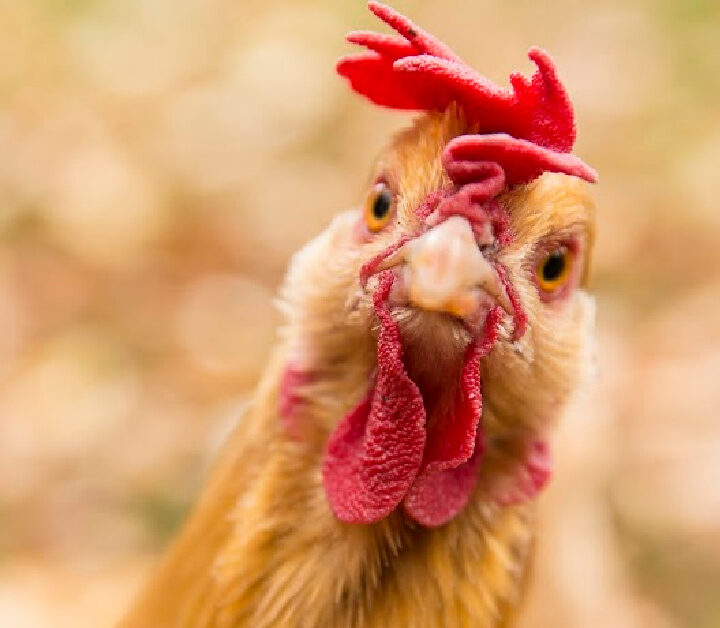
(378, 207)
(555, 269)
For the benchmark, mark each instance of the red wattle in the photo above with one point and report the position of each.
(455, 445)
(377, 457)
(436, 497)
(374, 454)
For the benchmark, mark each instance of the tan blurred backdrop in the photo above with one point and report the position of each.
(160, 160)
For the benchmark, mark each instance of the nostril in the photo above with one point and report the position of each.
(484, 235)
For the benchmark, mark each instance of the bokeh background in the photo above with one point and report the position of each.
(160, 160)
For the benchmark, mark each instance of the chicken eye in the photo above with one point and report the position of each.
(378, 207)
(554, 269)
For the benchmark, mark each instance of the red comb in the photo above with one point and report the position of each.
(521, 160)
(417, 71)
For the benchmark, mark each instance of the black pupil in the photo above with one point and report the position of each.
(381, 205)
(554, 266)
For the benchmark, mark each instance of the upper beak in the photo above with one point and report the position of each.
(446, 272)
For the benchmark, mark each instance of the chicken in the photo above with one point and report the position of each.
(385, 472)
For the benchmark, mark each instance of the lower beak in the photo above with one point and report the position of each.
(446, 272)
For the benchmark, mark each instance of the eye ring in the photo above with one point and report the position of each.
(555, 269)
(379, 206)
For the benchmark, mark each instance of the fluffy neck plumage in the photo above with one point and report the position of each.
(263, 549)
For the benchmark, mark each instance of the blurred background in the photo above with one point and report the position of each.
(160, 160)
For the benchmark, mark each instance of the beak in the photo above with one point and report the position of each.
(446, 272)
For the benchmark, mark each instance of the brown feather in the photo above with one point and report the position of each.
(262, 547)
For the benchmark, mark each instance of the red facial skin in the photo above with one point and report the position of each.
(294, 377)
(438, 485)
(376, 458)
(371, 464)
(532, 477)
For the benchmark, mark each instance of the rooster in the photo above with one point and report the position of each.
(385, 472)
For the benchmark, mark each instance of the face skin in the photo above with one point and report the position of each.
(526, 381)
